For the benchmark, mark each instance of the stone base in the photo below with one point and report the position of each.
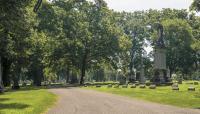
(160, 77)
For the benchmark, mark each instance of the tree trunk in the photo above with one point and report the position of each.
(16, 82)
(6, 69)
(1, 83)
(16, 78)
(38, 77)
(67, 75)
(83, 69)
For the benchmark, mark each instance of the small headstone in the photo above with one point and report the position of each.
(175, 87)
(98, 86)
(196, 83)
(124, 86)
(142, 86)
(133, 86)
(148, 83)
(180, 81)
(109, 86)
(85, 85)
(191, 88)
(116, 86)
(152, 87)
(137, 84)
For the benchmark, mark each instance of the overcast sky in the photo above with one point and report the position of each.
(133, 5)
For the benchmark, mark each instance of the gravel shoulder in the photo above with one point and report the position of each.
(80, 101)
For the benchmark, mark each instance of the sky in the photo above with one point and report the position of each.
(134, 5)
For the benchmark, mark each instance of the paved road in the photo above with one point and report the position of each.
(79, 101)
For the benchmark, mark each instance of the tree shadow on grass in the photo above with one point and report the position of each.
(13, 106)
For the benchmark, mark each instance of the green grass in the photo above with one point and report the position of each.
(163, 95)
(26, 101)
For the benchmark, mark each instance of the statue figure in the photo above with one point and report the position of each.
(160, 42)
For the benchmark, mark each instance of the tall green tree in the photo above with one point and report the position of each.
(178, 38)
(195, 6)
(15, 30)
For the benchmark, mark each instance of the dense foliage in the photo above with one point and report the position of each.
(82, 40)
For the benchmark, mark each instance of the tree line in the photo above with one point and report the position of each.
(74, 37)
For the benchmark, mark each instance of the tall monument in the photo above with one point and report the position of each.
(160, 69)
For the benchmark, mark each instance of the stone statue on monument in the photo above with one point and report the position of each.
(160, 42)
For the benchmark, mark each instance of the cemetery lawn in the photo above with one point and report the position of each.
(162, 95)
(26, 101)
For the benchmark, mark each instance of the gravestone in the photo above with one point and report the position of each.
(152, 87)
(109, 86)
(142, 86)
(191, 88)
(175, 87)
(133, 86)
(116, 86)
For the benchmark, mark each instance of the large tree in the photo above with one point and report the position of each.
(15, 29)
(178, 38)
(195, 6)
